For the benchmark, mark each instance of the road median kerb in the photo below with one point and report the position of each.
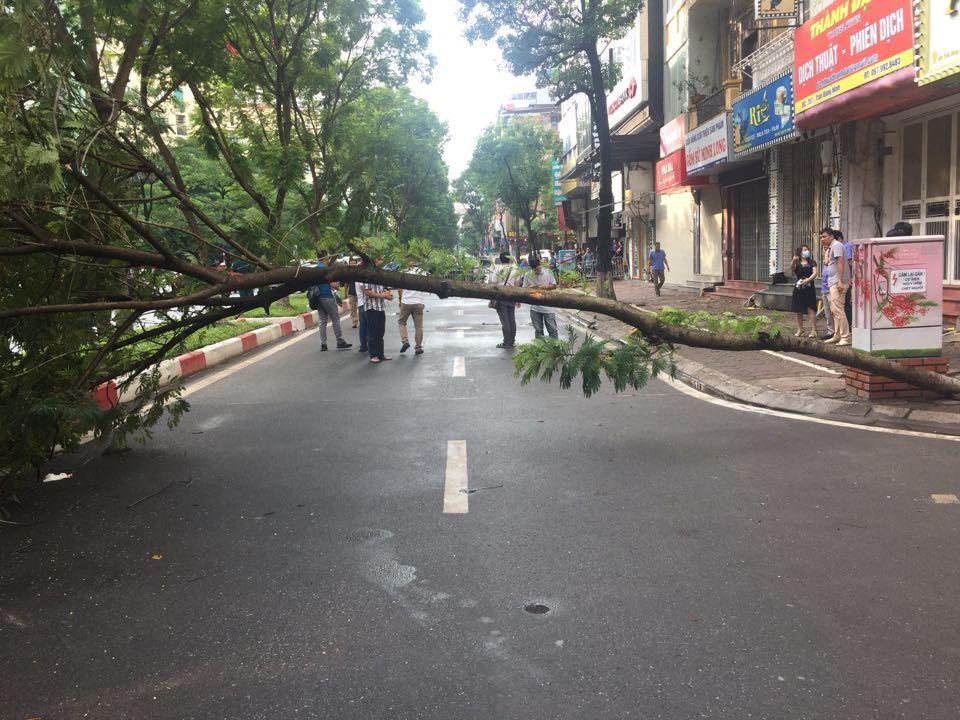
(713, 382)
(110, 394)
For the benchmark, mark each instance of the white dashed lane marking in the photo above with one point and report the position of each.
(945, 499)
(459, 367)
(454, 501)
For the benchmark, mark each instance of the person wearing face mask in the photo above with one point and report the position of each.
(804, 301)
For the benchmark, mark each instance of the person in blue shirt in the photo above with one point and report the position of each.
(825, 298)
(656, 265)
(325, 303)
(848, 256)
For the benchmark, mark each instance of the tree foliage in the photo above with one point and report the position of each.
(511, 163)
(559, 42)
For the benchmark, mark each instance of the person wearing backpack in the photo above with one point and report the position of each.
(322, 299)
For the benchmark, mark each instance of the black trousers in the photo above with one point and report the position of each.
(848, 306)
(376, 326)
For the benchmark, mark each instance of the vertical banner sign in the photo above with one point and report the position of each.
(558, 196)
(939, 55)
(775, 9)
(773, 201)
(763, 117)
(849, 44)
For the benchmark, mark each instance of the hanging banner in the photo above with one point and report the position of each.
(775, 9)
(558, 196)
(939, 46)
(671, 135)
(707, 145)
(763, 117)
(849, 44)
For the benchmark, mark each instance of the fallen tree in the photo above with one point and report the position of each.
(280, 282)
(126, 226)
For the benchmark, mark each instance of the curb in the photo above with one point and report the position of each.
(108, 395)
(710, 381)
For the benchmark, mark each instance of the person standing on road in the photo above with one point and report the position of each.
(506, 309)
(411, 305)
(540, 315)
(838, 282)
(804, 301)
(361, 315)
(352, 300)
(376, 298)
(656, 266)
(321, 297)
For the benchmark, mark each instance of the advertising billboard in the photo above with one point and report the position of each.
(849, 44)
(763, 117)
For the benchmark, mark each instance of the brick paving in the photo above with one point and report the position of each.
(769, 370)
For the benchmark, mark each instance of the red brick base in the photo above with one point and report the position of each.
(877, 387)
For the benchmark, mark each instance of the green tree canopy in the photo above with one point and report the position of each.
(511, 163)
(558, 41)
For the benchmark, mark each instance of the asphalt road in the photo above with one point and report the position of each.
(697, 561)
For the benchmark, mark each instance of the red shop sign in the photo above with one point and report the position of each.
(848, 45)
(672, 173)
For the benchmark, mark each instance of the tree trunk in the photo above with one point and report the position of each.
(531, 238)
(598, 100)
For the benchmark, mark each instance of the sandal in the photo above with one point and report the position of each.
(798, 333)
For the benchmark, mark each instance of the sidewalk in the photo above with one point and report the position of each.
(782, 381)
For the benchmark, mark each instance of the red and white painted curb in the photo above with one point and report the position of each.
(108, 395)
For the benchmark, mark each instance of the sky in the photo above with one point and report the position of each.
(469, 83)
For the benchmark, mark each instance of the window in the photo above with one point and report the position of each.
(674, 85)
(939, 132)
(930, 183)
(912, 161)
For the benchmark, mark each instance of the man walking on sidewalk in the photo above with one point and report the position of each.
(657, 264)
(835, 261)
(540, 315)
(321, 298)
(411, 305)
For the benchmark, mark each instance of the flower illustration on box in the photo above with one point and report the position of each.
(898, 292)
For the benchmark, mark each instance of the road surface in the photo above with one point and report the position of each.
(693, 560)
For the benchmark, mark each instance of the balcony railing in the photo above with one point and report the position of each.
(711, 106)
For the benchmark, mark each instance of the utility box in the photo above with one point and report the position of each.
(898, 296)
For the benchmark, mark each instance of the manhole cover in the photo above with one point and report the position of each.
(537, 609)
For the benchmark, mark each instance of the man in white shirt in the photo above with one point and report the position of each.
(540, 276)
(411, 305)
(837, 282)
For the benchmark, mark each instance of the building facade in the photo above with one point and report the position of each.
(798, 116)
(634, 113)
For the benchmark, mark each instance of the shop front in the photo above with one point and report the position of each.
(760, 120)
(888, 67)
(706, 150)
(922, 181)
(678, 212)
